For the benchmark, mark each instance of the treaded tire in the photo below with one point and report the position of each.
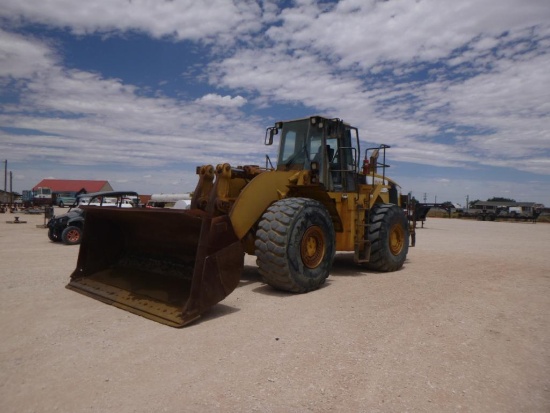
(51, 235)
(71, 235)
(389, 237)
(295, 245)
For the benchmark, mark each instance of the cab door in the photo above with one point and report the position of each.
(344, 163)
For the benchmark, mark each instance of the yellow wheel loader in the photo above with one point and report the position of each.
(173, 265)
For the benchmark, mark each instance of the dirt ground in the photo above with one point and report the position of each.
(463, 327)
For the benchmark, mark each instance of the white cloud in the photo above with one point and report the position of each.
(450, 84)
(224, 101)
(21, 58)
(179, 20)
(110, 122)
(489, 79)
(367, 32)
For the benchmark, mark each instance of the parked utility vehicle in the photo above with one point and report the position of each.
(68, 227)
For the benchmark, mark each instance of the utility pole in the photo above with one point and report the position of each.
(467, 202)
(6, 175)
(11, 188)
(425, 197)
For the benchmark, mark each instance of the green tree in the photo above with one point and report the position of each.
(500, 199)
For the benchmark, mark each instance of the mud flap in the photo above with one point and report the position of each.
(166, 265)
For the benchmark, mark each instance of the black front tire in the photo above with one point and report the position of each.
(295, 245)
(51, 235)
(388, 233)
(71, 235)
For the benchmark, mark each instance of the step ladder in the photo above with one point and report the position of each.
(362, 245)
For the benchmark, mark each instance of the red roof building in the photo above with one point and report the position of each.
(74, 185)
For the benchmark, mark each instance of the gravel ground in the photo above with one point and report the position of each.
(463, 327)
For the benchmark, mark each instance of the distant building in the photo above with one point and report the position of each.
(5, 197)
(74, 185)
(493, 205)
(527, 208)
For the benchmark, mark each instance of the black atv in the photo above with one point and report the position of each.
(68, 227)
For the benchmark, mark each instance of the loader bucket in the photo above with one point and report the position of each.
(167, 265)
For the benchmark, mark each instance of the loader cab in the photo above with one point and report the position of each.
(327, 145)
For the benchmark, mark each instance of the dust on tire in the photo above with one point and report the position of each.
(388, 233)
(295, 245)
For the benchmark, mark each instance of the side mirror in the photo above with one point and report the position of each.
(269, 134)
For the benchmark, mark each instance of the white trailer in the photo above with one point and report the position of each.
(168, 200)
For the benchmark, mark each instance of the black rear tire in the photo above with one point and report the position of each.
(389, 237)
(295, 245)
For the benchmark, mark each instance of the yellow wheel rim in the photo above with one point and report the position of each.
(312, 247)
(397, 239)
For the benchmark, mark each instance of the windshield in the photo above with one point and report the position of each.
(42, 191)
(300, 143)
(293, 143)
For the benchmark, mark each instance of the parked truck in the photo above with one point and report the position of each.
(41, 196)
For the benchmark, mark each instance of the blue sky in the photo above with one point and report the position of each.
(140, 92)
